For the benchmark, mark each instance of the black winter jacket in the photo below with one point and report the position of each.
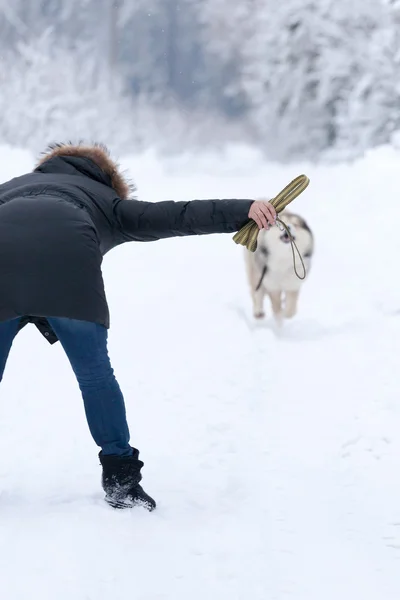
(58, 222)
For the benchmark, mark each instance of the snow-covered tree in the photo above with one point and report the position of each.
(311, 73)
(298, 78)
(48, 95)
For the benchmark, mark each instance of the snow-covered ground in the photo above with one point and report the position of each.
(275, 461)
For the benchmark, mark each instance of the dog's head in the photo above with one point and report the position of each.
(276, 239)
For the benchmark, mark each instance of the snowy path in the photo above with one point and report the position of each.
(275, 460)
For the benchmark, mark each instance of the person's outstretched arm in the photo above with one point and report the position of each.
(149, 221)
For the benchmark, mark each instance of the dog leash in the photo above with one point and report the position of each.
(248, 234)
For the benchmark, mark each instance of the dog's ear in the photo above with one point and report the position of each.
(299, 221)
(303, 224)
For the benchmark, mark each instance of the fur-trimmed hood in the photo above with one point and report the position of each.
(100, 155)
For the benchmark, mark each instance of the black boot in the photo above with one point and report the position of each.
(120, 481)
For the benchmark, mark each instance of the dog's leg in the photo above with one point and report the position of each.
(254, 277)
(291, 299)
(258, 303)
(276, 303)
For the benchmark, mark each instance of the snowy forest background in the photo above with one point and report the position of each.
(299, 79)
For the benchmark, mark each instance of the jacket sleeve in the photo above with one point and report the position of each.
(150, 221)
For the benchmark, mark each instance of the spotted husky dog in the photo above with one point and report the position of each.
(270, 269)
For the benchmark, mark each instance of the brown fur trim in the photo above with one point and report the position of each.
(100, 155)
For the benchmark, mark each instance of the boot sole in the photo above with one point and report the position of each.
(118, 504)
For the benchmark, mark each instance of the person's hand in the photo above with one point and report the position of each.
(263, 213)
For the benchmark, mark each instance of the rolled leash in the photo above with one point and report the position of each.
(248, 234)
(290, 192)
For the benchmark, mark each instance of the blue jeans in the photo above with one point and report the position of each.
(85, 345)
